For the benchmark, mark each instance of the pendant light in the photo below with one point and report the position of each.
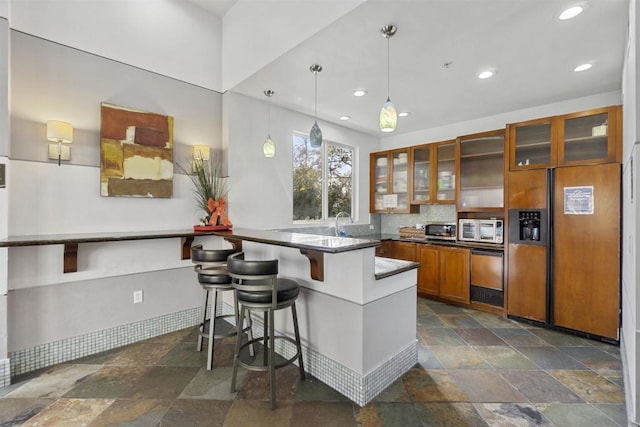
(315, 134)
(269, 148)
(388, 114)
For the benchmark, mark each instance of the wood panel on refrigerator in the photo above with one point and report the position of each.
(526, 287)
(586, 284)
(527, 296)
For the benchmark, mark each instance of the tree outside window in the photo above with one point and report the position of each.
(322, 179)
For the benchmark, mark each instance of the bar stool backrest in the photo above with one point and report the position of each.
(254, 275)
(210, 261)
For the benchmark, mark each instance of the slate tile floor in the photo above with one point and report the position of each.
(475, 369)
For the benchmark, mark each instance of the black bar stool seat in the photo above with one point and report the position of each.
(286, 290)
(258, 288)
(211, 267)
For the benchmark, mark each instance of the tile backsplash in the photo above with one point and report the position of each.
(391, 223)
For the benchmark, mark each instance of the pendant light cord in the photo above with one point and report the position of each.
(388, 68)
(316, 97)
(269, 118)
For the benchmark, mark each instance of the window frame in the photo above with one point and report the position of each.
(324, 177)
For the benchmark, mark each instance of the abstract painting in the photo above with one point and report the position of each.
(136, 153)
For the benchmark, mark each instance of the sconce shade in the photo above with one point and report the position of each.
(315, 136)
(61, 132)
(388, 117)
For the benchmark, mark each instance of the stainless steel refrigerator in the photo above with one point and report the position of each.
(563, 248)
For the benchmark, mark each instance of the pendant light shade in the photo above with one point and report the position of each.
(269, 148)
(388, 113)
(315, 134)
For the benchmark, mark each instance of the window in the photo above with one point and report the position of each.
(322, 179)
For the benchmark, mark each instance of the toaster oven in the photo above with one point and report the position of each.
(440, 230)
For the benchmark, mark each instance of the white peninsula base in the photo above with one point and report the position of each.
(358, 332)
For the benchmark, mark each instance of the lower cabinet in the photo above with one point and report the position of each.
(429, 270)
(444, 272)
(397, 250)
(454, 274)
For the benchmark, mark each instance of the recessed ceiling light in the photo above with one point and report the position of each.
(571, 12)
(345, 117)
(485, 74)
(359, 92)
(404, 114)
(582, 67)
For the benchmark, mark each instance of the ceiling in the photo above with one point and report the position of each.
(532, 53)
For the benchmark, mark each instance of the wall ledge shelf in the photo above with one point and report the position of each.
(71, 241)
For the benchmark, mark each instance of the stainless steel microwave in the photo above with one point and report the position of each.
(480, 230)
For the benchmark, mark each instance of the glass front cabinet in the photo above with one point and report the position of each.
(433, 168)
(391, 182)
(446, 157)
(588, 137)
(481, 174)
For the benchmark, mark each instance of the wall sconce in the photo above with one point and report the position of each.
(59, 132)
(201, 154)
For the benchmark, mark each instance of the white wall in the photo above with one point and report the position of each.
(254, 33)
(171, 37)
(161, 59)
(631, 220)
(261, 191)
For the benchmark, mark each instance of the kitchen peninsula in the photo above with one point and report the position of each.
(357, 324)
(357, 312)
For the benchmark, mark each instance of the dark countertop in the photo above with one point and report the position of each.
(321, 243)
(385, 267)
(424, 240)
(55, 239)
(313, 242)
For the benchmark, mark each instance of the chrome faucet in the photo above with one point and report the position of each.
(340, 226)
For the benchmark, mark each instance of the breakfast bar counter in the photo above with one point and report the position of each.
(357, 324)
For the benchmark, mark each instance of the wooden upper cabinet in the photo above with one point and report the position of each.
(481, 183)
(587, 137)
(390, 175)
(434, 172)
(531, 145)
(591, 137)
(446, 166)
(423, 171)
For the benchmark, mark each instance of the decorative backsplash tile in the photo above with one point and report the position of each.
(391, 223)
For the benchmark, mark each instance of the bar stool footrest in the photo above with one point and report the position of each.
(265, 368)
(232, 333)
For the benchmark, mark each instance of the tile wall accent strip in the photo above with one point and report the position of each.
(360, 389)
(5, 372)
(44, 355)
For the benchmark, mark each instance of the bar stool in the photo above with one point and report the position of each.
(258, 288)
(211, 266)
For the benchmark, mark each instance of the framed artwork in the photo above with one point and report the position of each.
(136, 153)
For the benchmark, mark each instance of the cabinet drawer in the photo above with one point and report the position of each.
(486, 270)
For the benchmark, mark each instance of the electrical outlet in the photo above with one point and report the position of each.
(371, 227)
(137, 297)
